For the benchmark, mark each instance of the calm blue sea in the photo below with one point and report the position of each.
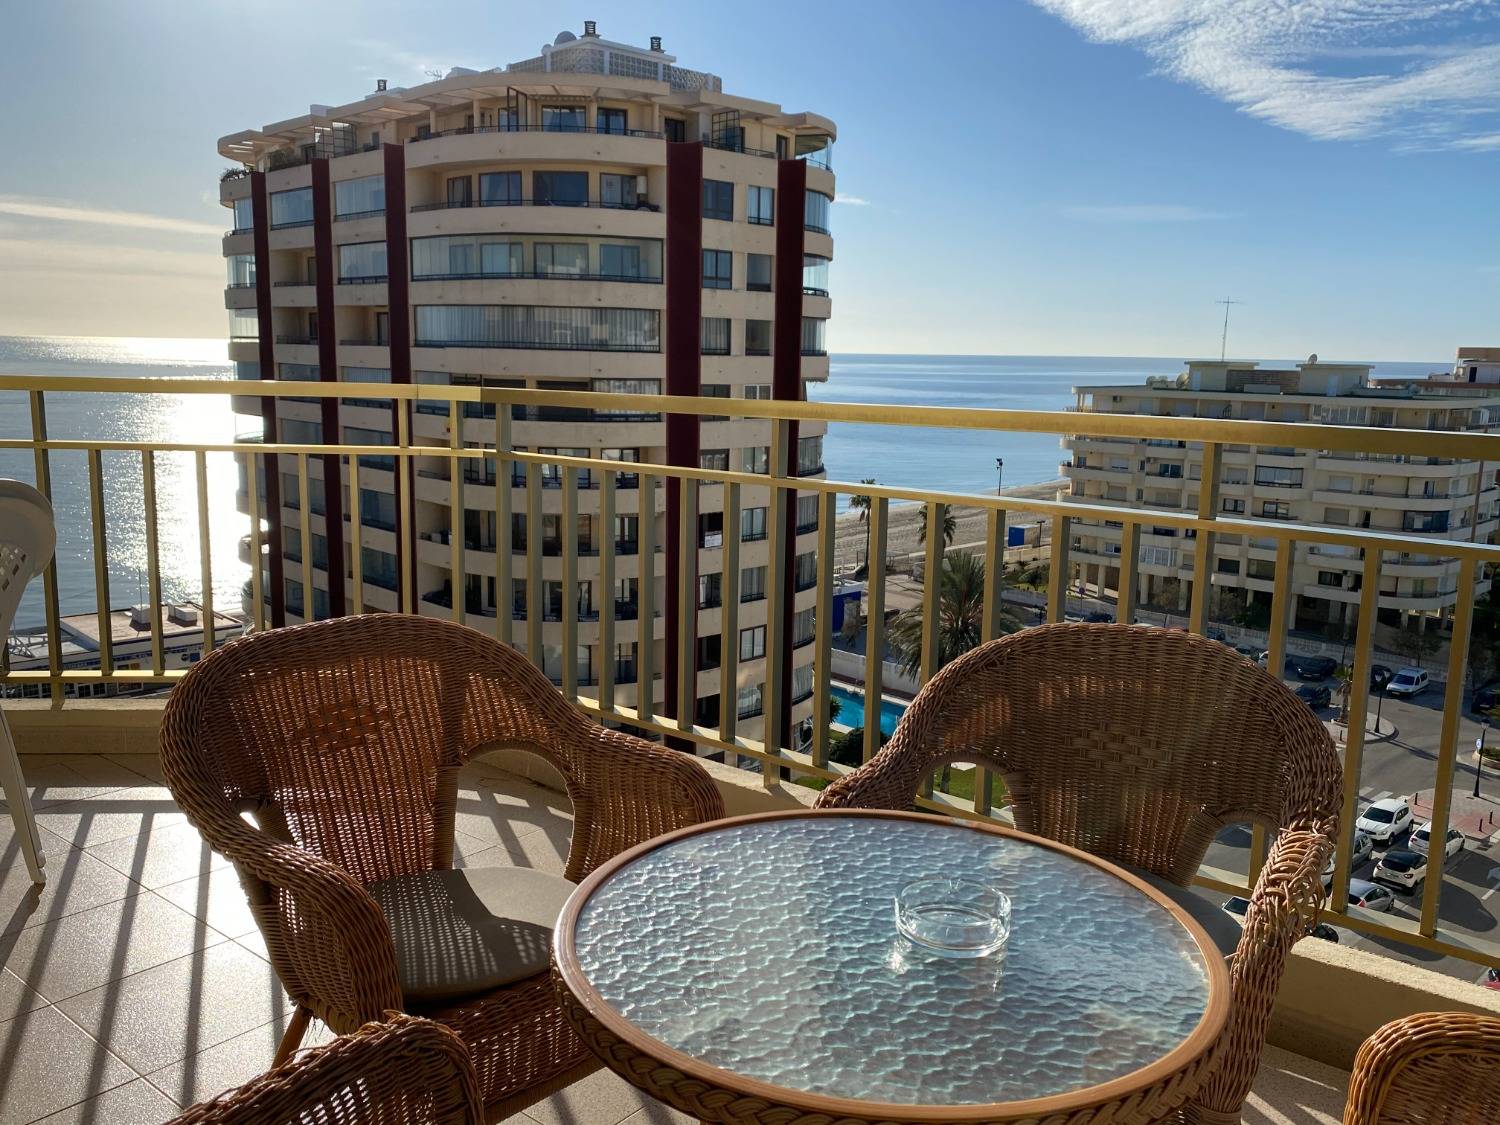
(951, 460)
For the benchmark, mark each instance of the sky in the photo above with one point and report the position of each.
(1076, 177)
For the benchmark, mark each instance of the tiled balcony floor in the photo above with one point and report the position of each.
(135, 982)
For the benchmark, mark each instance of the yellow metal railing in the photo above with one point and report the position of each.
(521, 472)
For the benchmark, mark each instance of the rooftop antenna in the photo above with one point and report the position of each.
(1224, 339)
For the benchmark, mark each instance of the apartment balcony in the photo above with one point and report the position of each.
(136, 982)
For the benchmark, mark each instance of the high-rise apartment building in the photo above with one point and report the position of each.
(1438, 497)
(510, 228)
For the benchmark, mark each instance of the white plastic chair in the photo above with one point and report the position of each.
(28, 538)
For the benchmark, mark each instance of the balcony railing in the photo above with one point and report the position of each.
(463, 204)
(1428, 924)
(465, 130)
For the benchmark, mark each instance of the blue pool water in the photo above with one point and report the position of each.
(852, 709)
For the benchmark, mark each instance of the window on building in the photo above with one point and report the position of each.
(244, 214)
(460, 191)
(716, 459)
(561, 259)
(539, 326)
(292, 208)
(814, 343)
(752, 524)
(499, 189)
(241, 271)
(710, 590)
(1227, 566)
(805, 577)
(809, 455)
(624, 260)
(753, 642)
(364, 196)
(1330, 578)
(814, 275)
(1278, 477)
(244, 324)
(760, 205)
(1232, 504)
(758, 391)
(747, 701)
(563, 118)
(609, 119)
(713, 390)
(710, 530)
(757, 338)
(758, 272)
(807, 513)
(625, 456)
(815, 212)
(616, 190)
(755, 459)
(469, 255)
(1276, 510)
(718, 200)
(718, 269)
(804, 627)
(560, 189)
(708, 652)
(674, 128)
(715, 339)
(362, 261)
(752, 584)
(627, 536)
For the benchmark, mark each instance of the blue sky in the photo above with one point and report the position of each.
(1065, 177)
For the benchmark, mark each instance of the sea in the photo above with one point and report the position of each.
(941, 460)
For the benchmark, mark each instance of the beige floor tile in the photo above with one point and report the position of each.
(48, 1064)
(1292, 1090)
(231, 1063)
(57, 778)
(115, 815)
(87, 950)
(176, 1010)
(135, 1103)
(16, 997)
(504, 814)
(537, 849)
(659, 1113)
(603, 1098)
(75, 881)
(147, 765)
(217, 898)
(160, 857)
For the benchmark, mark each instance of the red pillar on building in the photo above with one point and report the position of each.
(398, 319)
(328, 372)
(260, 210)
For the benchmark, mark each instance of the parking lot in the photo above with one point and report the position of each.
(1402, 760)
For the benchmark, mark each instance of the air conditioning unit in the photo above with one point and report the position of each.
(140, 617)
(183, 615)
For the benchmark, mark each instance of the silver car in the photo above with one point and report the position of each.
(1371, 896)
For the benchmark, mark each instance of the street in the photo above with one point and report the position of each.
(1397, 764)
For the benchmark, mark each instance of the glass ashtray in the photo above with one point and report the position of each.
(953, 917)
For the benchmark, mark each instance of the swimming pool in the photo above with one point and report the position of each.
(852, 709)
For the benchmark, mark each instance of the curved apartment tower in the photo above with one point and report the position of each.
(511, 228)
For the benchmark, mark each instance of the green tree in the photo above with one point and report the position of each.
(860, 502)
(1418, 644)
(950, 526)
(848, 749)
(960, 621)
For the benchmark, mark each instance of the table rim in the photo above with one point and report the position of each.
(1195, 1045)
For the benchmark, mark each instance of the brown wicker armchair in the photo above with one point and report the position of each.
(1138, 745)
(405, 1072)
(343, 739)
(1436, 1068)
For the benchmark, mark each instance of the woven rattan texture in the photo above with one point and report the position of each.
(1436, 1068)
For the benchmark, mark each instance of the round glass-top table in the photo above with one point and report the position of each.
(755, 962)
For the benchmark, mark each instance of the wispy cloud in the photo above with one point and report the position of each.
(81, 213)
(852, 200)
(1439, 83)
(1143, 213)
(416, 67)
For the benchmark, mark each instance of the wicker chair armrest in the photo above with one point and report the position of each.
(1424, 1063)
(404, 1070)
(626, 790)
(331, 942)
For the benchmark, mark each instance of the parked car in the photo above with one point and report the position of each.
(1328, 869)
(1361, 850)
(1315, 696)
(1384, 820)
(1486, 696)
(1249, 652)
(1264, 659)
(1216, 634)
(1400, 868)
(1098, 617)
(1420, 837)
(1237, 906)
(1313, 668)
(1326, 932)
(1492, 979)
(1372, 896)
(1407, 681)
(1380, 676)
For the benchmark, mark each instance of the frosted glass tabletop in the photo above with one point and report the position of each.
(769, 949)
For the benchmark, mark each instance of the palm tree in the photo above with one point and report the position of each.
(960, 624)
(950, 526)
(861, 504)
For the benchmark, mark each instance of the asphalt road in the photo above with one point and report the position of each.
(1397, 765)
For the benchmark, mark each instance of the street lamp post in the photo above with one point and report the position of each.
(999, 475)
(1484, 729)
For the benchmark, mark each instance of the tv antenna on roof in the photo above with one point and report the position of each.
(1224, 339)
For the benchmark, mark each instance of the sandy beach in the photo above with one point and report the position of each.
(906, 519)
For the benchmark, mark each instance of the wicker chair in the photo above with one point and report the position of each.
(1437, 1068)
(343, 739)
(405, 1071)
(1138, 745)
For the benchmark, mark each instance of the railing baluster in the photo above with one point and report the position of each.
(257, 575)
(356, 537)
(153, 560)
(1282, 600)
(605, 537)
(932, 589)
(823, 624)
(205, 552)
(687, 605)
(504, 541)
(304, 514)
(42, 460)
(405, 473)
(875, 623)
(1057, 570)
(729, 620)
(1130, 558)
(1203, 544)
(101, 561)
(1354, 748)
(1453, 706)
(774, 688)
(456, 467)
(994, 572)
(645, 676)
(535, 602)
(569, 521)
